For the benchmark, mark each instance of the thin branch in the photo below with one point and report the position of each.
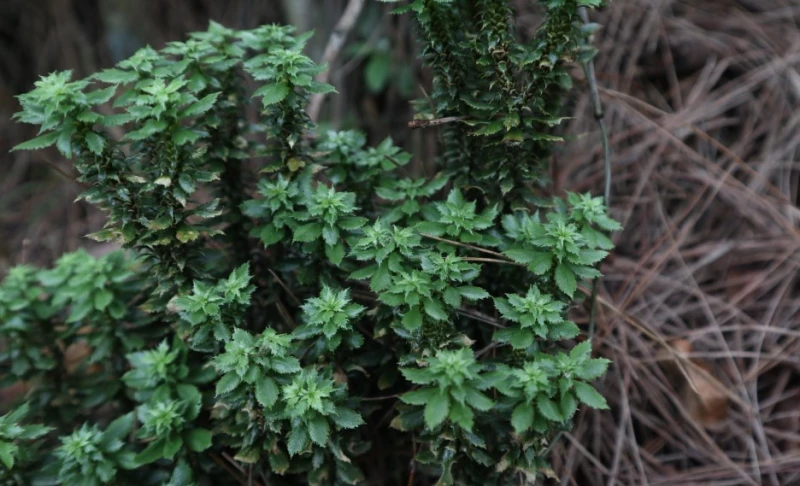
(594, 94)
(432, 123)
(335, 44)
(465, 245)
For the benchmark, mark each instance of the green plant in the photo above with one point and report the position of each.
(280, 333)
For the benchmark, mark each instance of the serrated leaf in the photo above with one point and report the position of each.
(473, 293)
(593, 369)
(335, 253)
(308, 232)
(201, 106)
(489, 129)
(8, 453)
(95, 142)
(272, 93)
(319, 430)
(347, 419)
(228, 383)
(267, 392)
(185, 234)
(101, 96)
(548, 408)
(298, 440)
(565, 279)
(183, 135)
(39, 142)
(591, 397)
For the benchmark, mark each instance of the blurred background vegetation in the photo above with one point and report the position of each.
(701, 98)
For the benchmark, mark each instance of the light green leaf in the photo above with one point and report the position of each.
(272, 93)
(548, 408)
(116, 76)
(588, 395)
(8, 453)
(565, 279)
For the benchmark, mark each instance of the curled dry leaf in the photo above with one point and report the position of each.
(700, 392)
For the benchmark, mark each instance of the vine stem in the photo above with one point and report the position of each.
(332, 49)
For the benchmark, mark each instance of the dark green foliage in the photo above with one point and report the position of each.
(284, 329)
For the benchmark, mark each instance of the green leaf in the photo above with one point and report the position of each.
(270, 235)
(185, 234)
(198, 439)
(272, 93)
(267, 392)
(151, 453)
(298, 440)
(478, 400)
(473, 293)
(462, 415)
(565, 279)
(183, 135)
(548, 408)
(227, 383)
(419, 397)
(522, 417)
(95, 142)
(434, 309)
(119, 428)
(412, 319)
(437, 409)
(489, 129)
(347, 419)
(39, 142)
(319, 429)
(101, 96)
(116, 76)
(315, 87)
(201, 106)
(102, 298)
(308, 232)
(588, 395)
(593, 369)
(335, 253)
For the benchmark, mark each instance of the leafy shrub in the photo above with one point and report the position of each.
(287, 332)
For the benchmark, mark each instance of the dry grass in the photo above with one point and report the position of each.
(701, 98)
